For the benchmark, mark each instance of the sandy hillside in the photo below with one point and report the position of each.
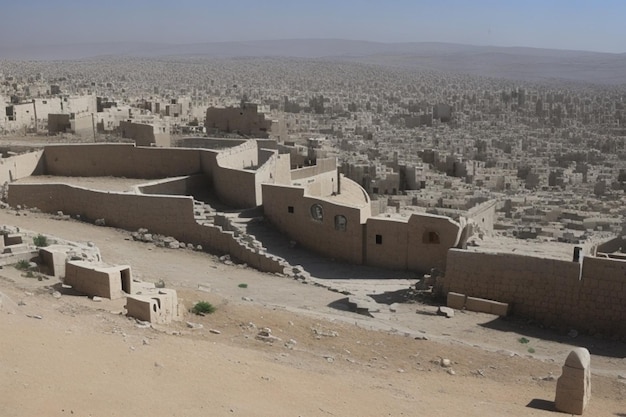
(84, 358)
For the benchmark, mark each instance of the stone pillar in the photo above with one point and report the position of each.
(573, 388)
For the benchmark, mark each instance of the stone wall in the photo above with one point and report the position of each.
(589, 298)
(166, 215)
(417, 244)
(347, 233)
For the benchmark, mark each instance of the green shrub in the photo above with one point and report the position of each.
(531, 350)
(243, 285)
(523, 340)
(40, 241)
(22, 265)
(159, 284)
(203, 307)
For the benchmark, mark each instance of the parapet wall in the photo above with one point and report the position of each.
(322, 166)
(553, 292)
(484, 215)
(21, 166)
(177, 186)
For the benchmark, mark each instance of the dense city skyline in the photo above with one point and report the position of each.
(573, 25)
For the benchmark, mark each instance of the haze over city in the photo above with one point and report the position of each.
(559, 24)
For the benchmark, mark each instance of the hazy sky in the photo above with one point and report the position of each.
(596, 25)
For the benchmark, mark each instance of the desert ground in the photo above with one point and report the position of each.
(70, 355)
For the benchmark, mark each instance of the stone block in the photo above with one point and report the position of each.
(573, 388)
(499, 309)
(478, 304)
(456, 300)
(12, 239)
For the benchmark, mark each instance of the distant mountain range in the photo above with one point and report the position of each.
(530, 64)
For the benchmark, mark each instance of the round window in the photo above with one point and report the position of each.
(317, 213)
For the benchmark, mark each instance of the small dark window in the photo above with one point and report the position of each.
(379, 239)
(290, 209)
(430, 237)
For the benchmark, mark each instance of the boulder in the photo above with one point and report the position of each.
(445, 311)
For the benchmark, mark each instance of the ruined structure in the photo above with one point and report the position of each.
(154, 305)
(313, 205)
(106, 281)
(323, 211)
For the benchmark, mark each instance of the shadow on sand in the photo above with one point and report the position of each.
(595, 346)
(539, 404)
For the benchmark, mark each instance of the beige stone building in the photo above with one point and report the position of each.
(244, 120)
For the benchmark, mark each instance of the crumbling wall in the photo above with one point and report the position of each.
(546, 290)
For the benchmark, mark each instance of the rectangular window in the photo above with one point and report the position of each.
(290, 209)
(379, 239)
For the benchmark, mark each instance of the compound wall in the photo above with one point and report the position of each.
(554, 292)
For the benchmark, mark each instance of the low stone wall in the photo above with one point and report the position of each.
(590, 297)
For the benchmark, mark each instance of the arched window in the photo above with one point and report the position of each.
(317, 212)
(341, 223)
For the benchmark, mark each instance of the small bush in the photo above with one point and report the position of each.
(159, 284)
(203, 307)
(523, 340)
(243, 285)
(22, 265)
(40, 241)
(531, 350)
